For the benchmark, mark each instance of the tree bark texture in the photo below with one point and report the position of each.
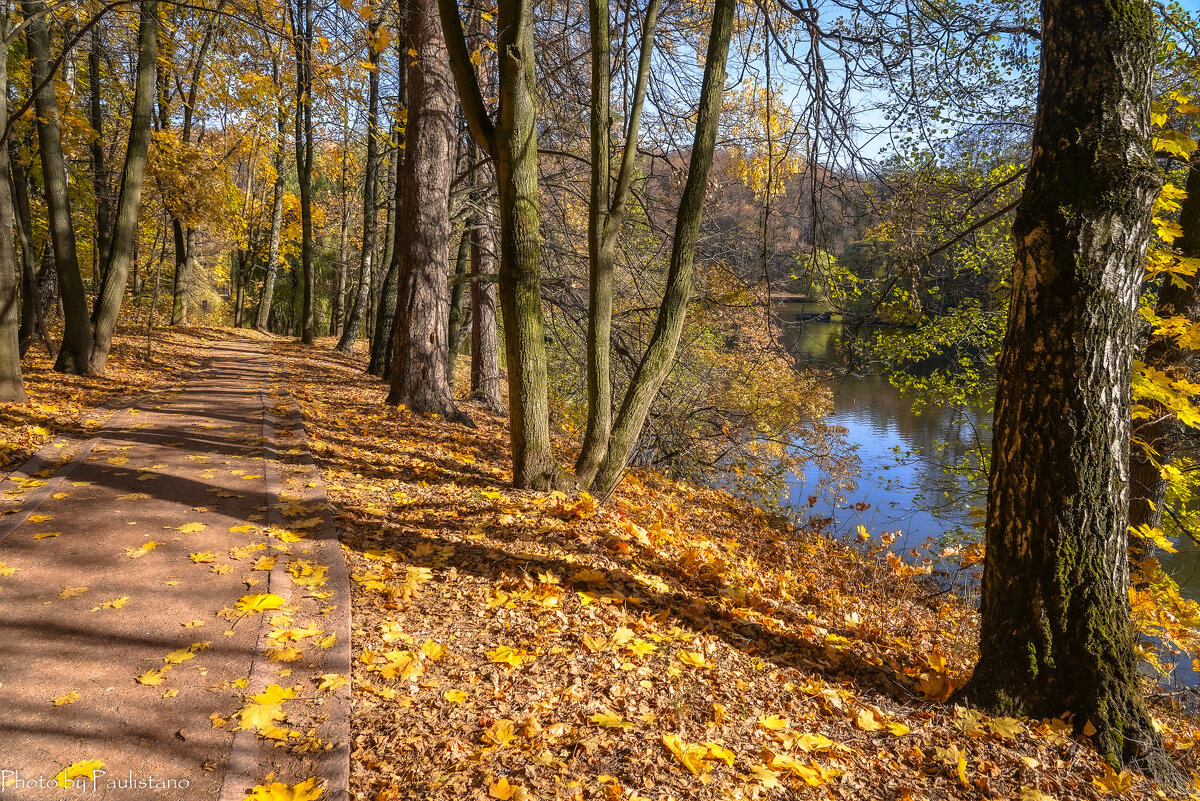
(116, 271)
(418, 378)
(77, 327)
(370, 198)
(1056, 635)
(12, 386)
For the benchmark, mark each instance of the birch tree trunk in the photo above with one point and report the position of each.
(1055, 629)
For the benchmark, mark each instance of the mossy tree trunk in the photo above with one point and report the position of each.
(660, 353)
(1055, 634)
(606, 212)
(511, 140)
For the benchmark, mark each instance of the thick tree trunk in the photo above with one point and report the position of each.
(370, 197)
(457, 303)
(418, 378)
(12, 386)
(660, 354)
(1055, 630)
(116, 272)
(77, 327)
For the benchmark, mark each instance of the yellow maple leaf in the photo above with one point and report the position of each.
(191, 528)
(330, 682)
(693, 659)
(455, 696)
(773, 722)
(153, 677)
(85, 768)
(201, 557)
(71, 592)
(249, 604)
(284, 654)
(897, 729)
(507, 655)
(69, 698)
(503, 790)
(46, 534)
(1114, 783)
(867, 722)
(609, 720)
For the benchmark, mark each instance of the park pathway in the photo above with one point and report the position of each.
(131, 627)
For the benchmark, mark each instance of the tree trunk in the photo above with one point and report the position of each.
(77, 328)
(1156, 439)
(418, 378)
(12, 386)
(457, 302)
(1055, 630)
(606, 212)
(370, 196)
(116, 272)
(264, 306)
(485, 348)
(302, 42)
(100, 182)
(33, 324)
(659, 355)
(381, 342)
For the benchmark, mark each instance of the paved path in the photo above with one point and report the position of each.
(128, 553)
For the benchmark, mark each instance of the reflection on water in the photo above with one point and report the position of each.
(903, 485)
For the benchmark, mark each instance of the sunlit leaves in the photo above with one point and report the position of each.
(250, 604)
(85, 769)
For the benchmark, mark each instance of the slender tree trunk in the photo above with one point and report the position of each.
(381, 343)
(457, 302)
(606, 212)
(1156, 439)
(264, 305)
(32, 323)
(370, 196)
(485, 347)
(302, 42)
(100, 180)
(660, 354)
(418, 378)
(77, 328)
(1055, 630)
(12, 386)
(116, 272)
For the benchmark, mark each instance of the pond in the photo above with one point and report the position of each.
(902, 486)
